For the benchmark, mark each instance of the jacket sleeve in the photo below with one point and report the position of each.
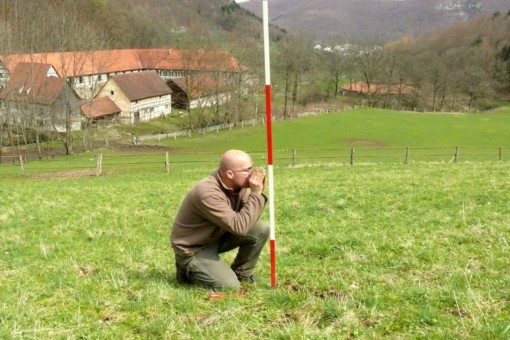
(215, 206)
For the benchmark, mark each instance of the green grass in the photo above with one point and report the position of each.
(364, 127)
(374, 135)
(370, 251)
(392, 250)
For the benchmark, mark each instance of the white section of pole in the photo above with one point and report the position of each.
(265, 20)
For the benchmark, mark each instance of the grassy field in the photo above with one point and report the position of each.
(375, 250)
(375, 135)
(371, 251)
(365, 127)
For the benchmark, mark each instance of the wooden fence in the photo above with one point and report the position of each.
(166, 161)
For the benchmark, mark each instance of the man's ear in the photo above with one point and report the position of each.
(229, 174)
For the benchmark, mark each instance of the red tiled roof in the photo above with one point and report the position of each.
(73, 64)
(99, 107)
(362, 88)
(31, 83)
(141, 85)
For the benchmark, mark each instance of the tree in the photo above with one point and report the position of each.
(502, 67)
(72, 35)
(335, 63)
(294, 59)
(244, 87)
(369, 63)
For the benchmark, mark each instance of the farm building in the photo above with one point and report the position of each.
(91, 74)
(199, 91)
(88, 71)
(100, 110)
(35, 96)
(140, 96)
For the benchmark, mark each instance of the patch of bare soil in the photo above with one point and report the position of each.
(139, 148)
(64, 174)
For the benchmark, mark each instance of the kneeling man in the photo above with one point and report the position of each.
(221, 213)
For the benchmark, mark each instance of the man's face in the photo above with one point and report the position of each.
(241, 175)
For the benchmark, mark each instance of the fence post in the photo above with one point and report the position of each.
(21, 165)
(99, 164)
(500, 153)
(293, 157)
(352, 156)
(167, 163)
(407, 155)
(456, 157)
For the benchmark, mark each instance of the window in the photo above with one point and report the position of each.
(112, 92)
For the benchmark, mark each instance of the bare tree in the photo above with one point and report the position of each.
(75, 43)
(241, 86)
(336, 63)
(369, 63)
(294, 60)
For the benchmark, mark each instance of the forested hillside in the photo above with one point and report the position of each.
(54, 25)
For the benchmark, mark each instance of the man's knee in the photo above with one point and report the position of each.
(231, 284)
(260, 231)
(216, 282)
(212, 273)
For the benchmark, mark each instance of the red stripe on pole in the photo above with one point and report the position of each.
(272, 248)
(269, 128)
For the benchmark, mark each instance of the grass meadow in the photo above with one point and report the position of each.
(365, 128)
(374, 250)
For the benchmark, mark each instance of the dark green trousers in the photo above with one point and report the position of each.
(207, 269)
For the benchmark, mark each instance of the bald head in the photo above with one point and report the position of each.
(234, 160)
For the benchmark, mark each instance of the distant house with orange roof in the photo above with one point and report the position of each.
(362, 88)
(140, 96)
(87, 71)
(35, 95)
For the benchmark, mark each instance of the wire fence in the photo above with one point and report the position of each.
(10, 154)
(99, 163)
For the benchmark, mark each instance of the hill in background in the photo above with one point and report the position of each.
(54, 25)
(375, 20)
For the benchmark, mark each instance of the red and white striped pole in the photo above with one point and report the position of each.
(269, 135)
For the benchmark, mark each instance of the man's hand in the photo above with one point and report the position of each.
(257, 180)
